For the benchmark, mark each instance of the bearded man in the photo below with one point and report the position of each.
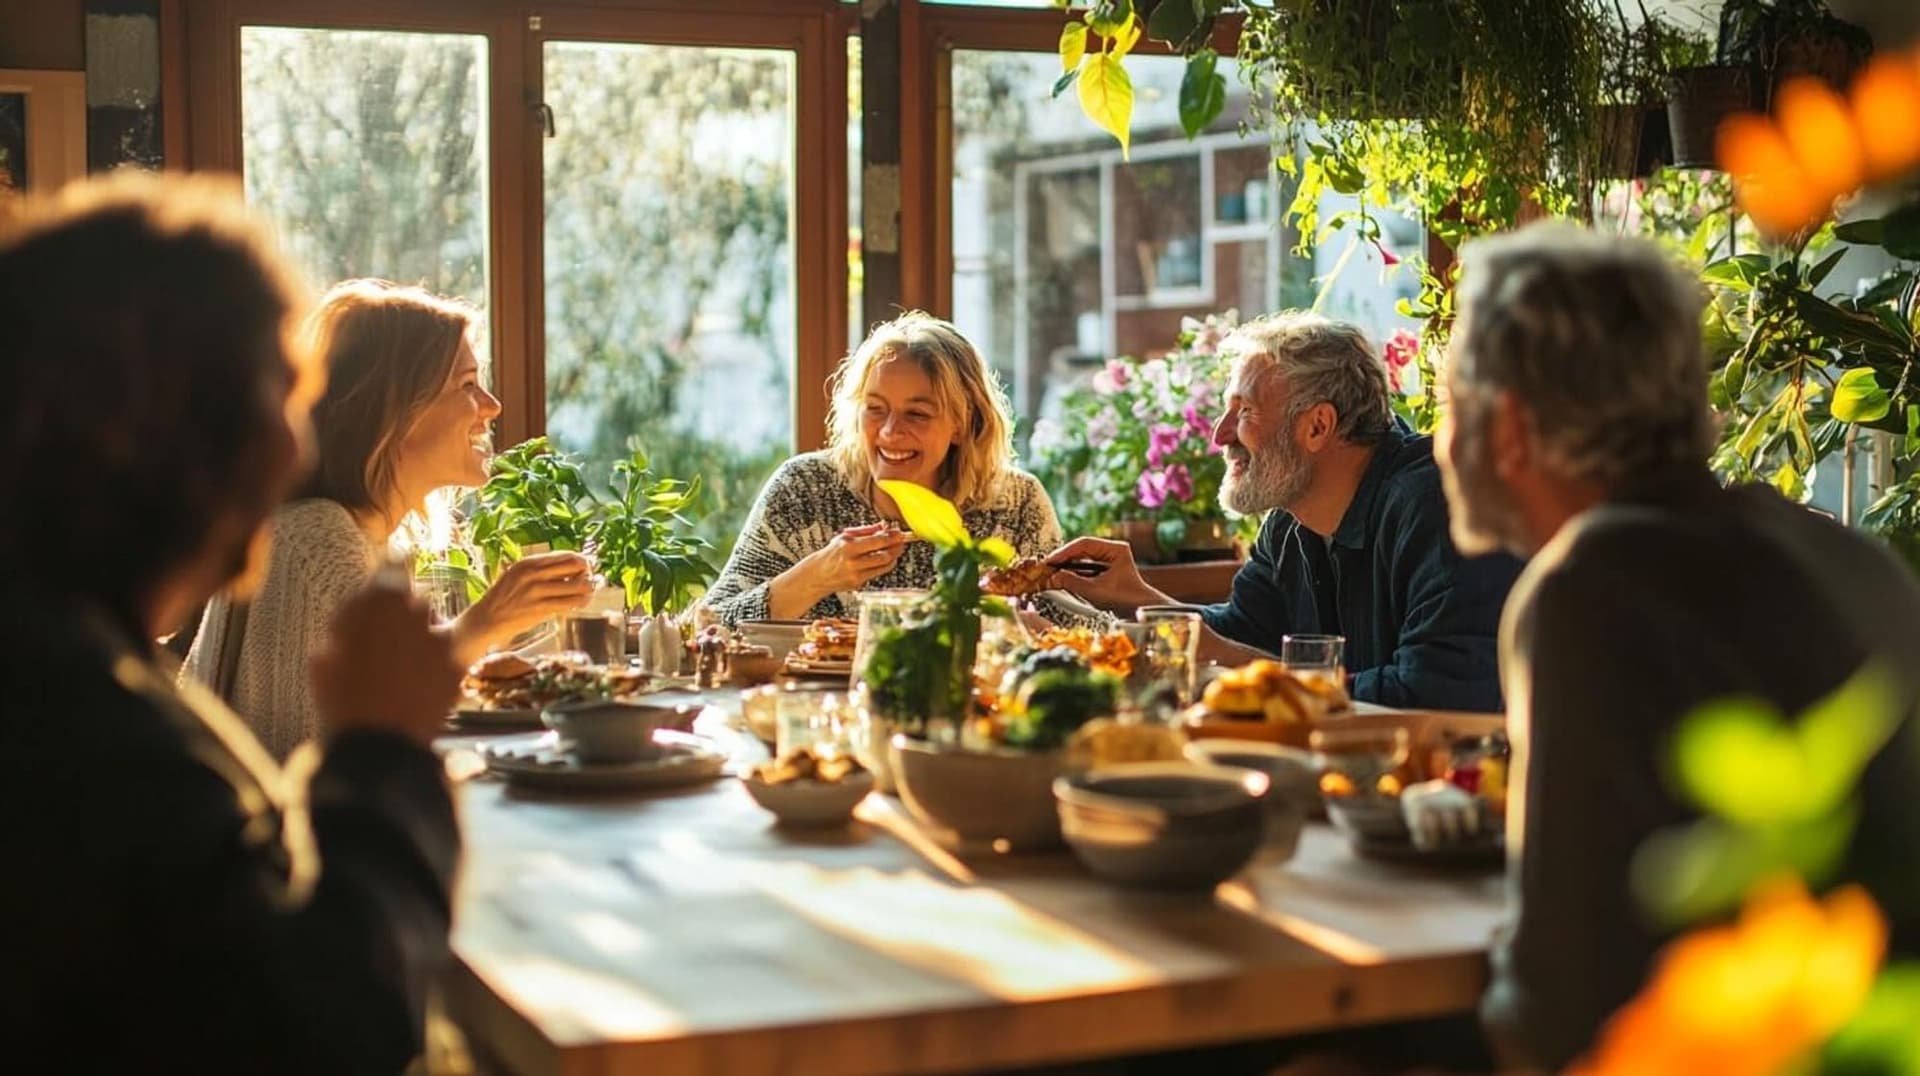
(1355, 540)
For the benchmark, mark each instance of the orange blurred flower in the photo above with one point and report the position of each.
(1819, 146)
(1748, 998)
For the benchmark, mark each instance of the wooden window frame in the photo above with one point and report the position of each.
(208, 44)
(926, 207)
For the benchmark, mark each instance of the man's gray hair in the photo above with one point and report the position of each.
(1324, 361)
(1599, 337)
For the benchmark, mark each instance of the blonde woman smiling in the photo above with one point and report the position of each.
(913, 402)
(404, 416)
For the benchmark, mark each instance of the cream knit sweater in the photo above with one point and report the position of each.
(320, 556)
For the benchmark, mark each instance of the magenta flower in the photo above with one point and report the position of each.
(1198, 424)
(1179, 483)
(1151, 490)
(1387, 257)
(1163, 441)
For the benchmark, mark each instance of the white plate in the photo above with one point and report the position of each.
(537, 762)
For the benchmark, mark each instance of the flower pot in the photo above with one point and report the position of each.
(1139, 534)
(1206, 540)
(1633, 140)
(1698, 98)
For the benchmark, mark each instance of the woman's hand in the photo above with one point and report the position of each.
(530, 590)
(383, 668)
(854, 557)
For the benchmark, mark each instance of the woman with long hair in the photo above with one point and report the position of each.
(404, 417)
(914, 402)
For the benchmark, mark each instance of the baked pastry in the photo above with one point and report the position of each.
(827, 641)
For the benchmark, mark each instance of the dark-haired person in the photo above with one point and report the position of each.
(174, 901)
(404, 416)
(1355, 537)
(1577, 434)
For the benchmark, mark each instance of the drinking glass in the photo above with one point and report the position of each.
(806, 717)
(443, 590)
(1363, 756)
(601, 635)
(1170, 649)
(1311, 656)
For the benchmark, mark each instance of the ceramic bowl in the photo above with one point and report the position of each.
(1164, 825)
(810, 804)
(779, 636)
(754, 665)
(980, 797)
(1293, 785)
(611, 731)
(1368, 818)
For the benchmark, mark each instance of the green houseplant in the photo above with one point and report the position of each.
(634, 527)
(1803, 377)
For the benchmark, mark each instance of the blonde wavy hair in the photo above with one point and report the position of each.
(965, 386)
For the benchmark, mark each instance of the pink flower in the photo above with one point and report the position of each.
(1198, 424)
(1163, 441)
(1151, 490)
(1112, 378)
(1387, 257)
(1179, 483)
(1401, 350)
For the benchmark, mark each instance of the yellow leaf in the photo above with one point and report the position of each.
(998, 550)
(928, 514)
(1106, 96)
(1073, 45)
(1125, 38)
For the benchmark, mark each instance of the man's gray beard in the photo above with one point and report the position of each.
(1275, 478)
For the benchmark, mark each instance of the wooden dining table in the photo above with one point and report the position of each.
(685, 932)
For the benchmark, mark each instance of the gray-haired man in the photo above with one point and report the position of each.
(1355, 539)
(1577, 434)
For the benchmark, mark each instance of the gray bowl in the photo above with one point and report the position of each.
(1293, 786)
(779, 636)
(1164, 825)
(1373, 819)
(611, 730)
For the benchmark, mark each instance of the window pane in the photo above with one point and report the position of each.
(368, 150)
(1064, 254)
(669, 263)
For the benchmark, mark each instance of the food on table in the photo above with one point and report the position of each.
(1054, 703)
(507, 681)
(827, 642)
(1478, 766)
(1264, 690)
(1105, 741)
(810, 763)
(1439, 813)
(1110, 652)
(1028, 575)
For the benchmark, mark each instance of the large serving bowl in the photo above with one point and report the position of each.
(1164, 825)
(612, 731)
(980, 797)
(1293, 786)
(808, 803)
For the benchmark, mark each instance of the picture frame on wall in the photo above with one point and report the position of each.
(43, 128)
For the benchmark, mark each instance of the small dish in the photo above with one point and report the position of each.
(779, 636)
(809, 803)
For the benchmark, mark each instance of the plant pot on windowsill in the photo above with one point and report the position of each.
(1177, 541)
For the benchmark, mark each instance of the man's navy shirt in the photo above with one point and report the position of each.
(1421, 621)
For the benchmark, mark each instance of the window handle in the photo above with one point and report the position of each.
(545, 112)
